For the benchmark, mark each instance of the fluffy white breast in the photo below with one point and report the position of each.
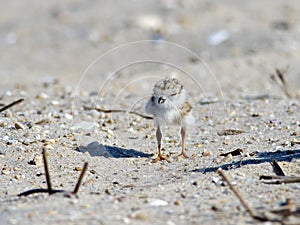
(166, 103)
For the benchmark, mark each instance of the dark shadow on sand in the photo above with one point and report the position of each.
(97, 149)
(261, 157)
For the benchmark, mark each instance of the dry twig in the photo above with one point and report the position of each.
(118, 111)
(76, 189)
(230, 132)
(236, 192)
(49, 189)
(43, 121)
(279, 79)
(47, 174)
(279, 179)
(277, 168)
(12, 104)
(279, 215)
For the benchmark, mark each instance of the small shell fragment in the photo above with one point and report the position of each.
(178, 202)
(141, 216)
(48, 147)
(78, 168)
(150, 22)
(158, 202)
(5, 172)
(19, 126)
(38, 160)
(228, 158)
(206, 152)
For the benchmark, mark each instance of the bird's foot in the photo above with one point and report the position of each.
(182, 155)
(160, 157)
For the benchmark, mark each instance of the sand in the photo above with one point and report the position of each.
(70, 60)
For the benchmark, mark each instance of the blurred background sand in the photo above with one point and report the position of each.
(242, 42)
(96, 50)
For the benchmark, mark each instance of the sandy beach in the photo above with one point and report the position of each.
(85, 70)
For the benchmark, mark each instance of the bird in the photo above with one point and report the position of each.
(169, 105)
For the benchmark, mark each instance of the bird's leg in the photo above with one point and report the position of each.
(158, 137)
(183, 134)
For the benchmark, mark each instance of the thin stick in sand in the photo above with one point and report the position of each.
(12, 104)
(47, 174)
(76, 189)
(236, 192)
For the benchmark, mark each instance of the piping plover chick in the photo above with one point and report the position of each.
(169, 105)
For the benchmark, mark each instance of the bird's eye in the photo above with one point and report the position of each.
(161, 100)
